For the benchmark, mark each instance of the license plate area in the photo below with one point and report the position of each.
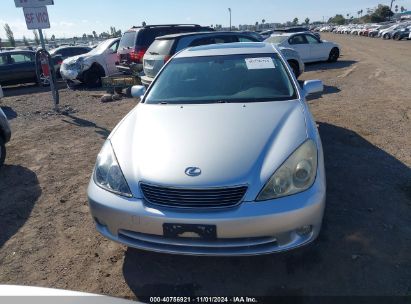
(205, 232)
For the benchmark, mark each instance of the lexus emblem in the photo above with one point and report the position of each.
(193, 171)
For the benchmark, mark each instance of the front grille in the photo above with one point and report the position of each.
(193, 198)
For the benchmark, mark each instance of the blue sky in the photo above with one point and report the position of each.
(75, 17)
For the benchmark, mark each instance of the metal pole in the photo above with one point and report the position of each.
(230, 17)
(52, 87)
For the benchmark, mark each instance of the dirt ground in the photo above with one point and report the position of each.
(47, 237)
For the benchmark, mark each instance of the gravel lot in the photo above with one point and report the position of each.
(47, 237)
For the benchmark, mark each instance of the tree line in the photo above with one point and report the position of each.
(11, 41)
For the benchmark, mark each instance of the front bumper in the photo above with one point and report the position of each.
(69, 74)
(251, 228)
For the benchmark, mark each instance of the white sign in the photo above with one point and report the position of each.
(259, 63)
(36, 17)
(33, 3)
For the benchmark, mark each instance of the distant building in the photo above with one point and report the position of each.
(403, 16)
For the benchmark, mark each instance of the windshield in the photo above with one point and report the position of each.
(219, 79)
(276, 39)
(101, 47)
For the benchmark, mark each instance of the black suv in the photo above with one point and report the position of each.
(164, 47)
(135, 42)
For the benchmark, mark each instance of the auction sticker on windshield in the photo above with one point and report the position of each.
(259, 63)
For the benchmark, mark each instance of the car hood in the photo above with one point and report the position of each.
(232, 144)
(75, 59)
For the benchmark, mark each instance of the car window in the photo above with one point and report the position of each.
(202, 41)
(298, 39)
(276, 39)
(79, 51)
(225, 39)
(246, 39)
(114, 47)
(215, 79)
(161, 47)
(66, 52)
(128, 39)
(147, 36)
(311, 39)
(20, 58)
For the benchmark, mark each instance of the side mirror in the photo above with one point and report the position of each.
(138, 91)
(313, 86)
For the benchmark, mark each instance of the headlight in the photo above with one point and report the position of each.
(295, 175)
(107, 173)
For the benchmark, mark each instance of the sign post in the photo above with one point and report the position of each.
(36, 15)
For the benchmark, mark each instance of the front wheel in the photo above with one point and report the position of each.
(92, 78)
(334, 55)
(295, 68)
(2, 151)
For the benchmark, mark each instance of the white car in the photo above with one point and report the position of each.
(90, 67)
(308, 46)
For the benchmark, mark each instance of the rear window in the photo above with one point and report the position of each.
(161, 47)
(276, 39)
(128, 40)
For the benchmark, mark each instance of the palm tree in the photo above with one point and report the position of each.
(307, 21)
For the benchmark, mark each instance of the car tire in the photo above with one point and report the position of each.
(295, 68)
(2, 151)
(396, 37)
(92, 77)
(386, 36)
(334, 55)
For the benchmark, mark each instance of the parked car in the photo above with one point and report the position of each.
(17, 66)
(308, 46)
(386, 33)
(61, 53)
(89, 68)
(135, 42)
(163, 48)
(296, 29)
(220, 157)
(403, 33)
(5, 135)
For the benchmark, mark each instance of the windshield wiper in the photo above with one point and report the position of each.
(154, 53)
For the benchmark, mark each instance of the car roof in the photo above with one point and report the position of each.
(153, 26)
(228, 49)
(177, 35)
(16, 51)
(72, 47)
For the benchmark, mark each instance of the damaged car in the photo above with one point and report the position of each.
(89, 68)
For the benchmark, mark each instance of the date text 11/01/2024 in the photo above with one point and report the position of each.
(203, 300)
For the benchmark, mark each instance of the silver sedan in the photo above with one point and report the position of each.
(220, 157)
